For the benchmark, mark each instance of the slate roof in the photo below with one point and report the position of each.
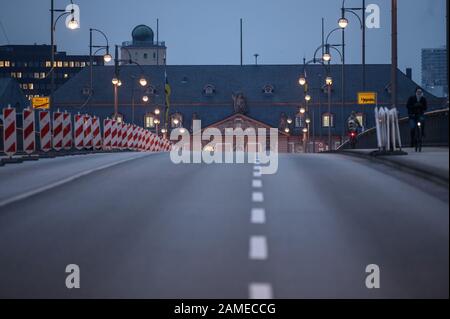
(188, 81)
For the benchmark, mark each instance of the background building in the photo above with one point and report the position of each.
(434, 71)
(30, 66)
(143, 49)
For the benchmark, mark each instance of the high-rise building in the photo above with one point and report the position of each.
(30, 65)
(434, 71)
(143, 49)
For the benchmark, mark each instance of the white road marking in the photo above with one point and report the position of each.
(259, 290)
(258, 216)
(257, 168)
(257, 174)
(257, 197)
(258, 248)
(257, 183)
(63, 181)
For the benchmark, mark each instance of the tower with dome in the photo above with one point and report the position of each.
(143, 48)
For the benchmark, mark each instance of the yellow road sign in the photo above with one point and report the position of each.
(41, 102)
(367, 98)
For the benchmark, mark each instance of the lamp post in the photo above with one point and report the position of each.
(73, 24)
(106, 57)
(343, 23)
(117, 82)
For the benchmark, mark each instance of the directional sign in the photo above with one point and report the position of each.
(41, 102)
(367, 98)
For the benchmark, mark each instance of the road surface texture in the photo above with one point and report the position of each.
(139, 226)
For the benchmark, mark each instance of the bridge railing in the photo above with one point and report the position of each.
(436, 132)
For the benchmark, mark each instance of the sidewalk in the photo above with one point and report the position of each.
(432, 163)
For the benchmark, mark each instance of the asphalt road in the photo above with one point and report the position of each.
(139, 226)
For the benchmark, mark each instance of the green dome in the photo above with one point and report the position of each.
(142, 33)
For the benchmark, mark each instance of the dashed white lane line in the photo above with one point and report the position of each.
(257, 174)
(258, 248)
(259, 290)
(257, 197)
(258, 216)
(257, 168)
(257, 183)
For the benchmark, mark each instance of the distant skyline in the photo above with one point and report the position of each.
(207, 32)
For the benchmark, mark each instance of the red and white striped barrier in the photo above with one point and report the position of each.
(9, 131)
(79, 132)
(67, 131)
(152, 142)
(45, 134)
(147, 140)
(139, 145)
(119, 135)
(130, 136)
(124, 130)
(57, 130)
(29, 137)
(107, 127)
(87, 132)
(135, 137)
(96, 135)
(114, 134)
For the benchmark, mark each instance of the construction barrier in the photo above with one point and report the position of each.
(79, 131)
(56, 133)
(388, 131)
(9, 131)
(96, 135)
(57, 130)
(29, 138)
(67, 131)
(45, 135)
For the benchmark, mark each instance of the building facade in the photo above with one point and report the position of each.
(143, 49)
(267, 94)
(434, 71)
(30, 66)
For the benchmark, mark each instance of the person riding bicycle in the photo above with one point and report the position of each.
(416, 105)
(353, 123)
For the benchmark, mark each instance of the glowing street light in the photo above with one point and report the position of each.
(157, 111)
(343, 23)
(145, 98)
(302, 110)
(143, 81)
(302, 80)
(307, 97)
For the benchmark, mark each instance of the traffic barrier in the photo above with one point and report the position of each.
(147, 140)
(119, 135)
(130, 136)
(87, 131)
(79, 133)
(29, 138)
(67, 131)
(139, 144)
(96, 135)
(107, 128)
(45, 135)
(124, 129)
(135, 137)
(9, 131)
(114, 134)
(388, 132)
(57, 130)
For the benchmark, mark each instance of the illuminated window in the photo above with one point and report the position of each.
(48, 64)
(60, 64)
(327, 120)
(149, 120)
(19, 75)
(13, 74)
(30, 86)
(71, 64)
(66, 64)
(2, 64)
(25, 86)
(7, 64)
(300, 120)
(83, 64)
(42, 75)
(77, 64)
(36, 75)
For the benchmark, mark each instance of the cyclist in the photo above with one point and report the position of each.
(416, 105)
(352, 123)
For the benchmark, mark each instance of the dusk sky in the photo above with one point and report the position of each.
(207, 31)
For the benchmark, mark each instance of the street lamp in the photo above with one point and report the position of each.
(308, 120)
(305, 130)
(143, 81)
(343, 23)
(157, 111)
(145, 98)
(115, 81)
(302, 80)
(289, 120)
(329, 80)
(287, 130)
(307, 97)
(327, 56)
(176, 121)
(72, 25)
(302, 110)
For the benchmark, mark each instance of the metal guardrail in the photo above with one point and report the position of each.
(436, 132)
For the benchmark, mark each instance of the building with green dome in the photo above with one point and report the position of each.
(143, 48)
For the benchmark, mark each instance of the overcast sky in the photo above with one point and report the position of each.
(207, 31)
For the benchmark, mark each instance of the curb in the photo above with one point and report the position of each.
(416, 170)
